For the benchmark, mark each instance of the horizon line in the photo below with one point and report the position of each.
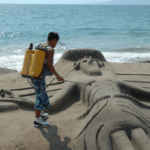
(69, 4)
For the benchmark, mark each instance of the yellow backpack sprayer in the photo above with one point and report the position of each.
(33, 62)
(33, 65)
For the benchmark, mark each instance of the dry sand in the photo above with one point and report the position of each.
(16, 127)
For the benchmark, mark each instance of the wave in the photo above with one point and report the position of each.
(25, 34)
(137, 49)
(21, 50)
(126, 57)
(15, 60)
(12, 50)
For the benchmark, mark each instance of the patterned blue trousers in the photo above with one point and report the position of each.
(42, 100)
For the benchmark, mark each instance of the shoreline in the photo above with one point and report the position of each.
(6, 70)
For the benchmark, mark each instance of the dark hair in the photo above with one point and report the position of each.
(52, 35)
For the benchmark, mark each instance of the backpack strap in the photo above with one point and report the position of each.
(46, 48)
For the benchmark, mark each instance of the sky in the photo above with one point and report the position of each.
(51, 1)
(139, 2)
(128, 2)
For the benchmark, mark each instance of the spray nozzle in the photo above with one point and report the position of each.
(31, 46)
(61, 43)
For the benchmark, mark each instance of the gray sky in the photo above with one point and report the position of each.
(51, 1)
(138, 2)
(128, 2)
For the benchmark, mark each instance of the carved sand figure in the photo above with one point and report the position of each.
(117, 115)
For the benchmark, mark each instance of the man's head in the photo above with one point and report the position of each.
(52, 39)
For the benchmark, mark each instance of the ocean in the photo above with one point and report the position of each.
(121, 33)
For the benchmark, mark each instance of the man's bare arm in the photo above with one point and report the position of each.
(50, 65)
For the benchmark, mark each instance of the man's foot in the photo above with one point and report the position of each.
(44, 115)
(40, 123)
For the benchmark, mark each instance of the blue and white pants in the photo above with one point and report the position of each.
(42, 100)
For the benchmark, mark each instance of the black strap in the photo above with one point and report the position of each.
(43, 49)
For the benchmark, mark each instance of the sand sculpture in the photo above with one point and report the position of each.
(117, 115)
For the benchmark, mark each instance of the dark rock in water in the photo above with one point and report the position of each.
(5, 70)
(144, 61)
(147, 61)
(2, 93)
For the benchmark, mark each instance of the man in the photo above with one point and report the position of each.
(42, 100)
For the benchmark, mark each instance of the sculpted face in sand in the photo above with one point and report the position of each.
(90, 66)
(117, 115)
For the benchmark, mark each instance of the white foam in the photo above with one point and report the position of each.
(126, 57)
(16, 61)
(12, 62)
(57, 57)
(61, 48)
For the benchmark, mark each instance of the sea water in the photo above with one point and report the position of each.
(121, 33)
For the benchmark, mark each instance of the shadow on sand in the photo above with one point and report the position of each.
(55, 143)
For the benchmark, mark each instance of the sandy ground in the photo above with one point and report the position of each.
(17, 131)
(16, 127)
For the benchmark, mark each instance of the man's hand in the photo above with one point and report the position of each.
(60, 78)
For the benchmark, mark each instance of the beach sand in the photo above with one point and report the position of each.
(16, 127)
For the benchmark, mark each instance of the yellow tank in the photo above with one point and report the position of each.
(36, 61)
